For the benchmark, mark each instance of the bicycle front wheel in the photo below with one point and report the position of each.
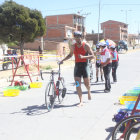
(119, 128)
(133, 133)
(50, 95)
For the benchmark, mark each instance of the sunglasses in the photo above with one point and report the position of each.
(77, 36)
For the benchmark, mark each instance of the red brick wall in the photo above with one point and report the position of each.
(65, 19)
(52, 33)
(51, 20)
(56, 26)
(48, 45)
(111, 30)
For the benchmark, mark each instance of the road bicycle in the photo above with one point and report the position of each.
(131, 130)
(54, 88)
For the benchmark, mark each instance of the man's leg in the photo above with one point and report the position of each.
(108, 76)
(78, 89)
(105, 76)
(107, 70)
(101, 72)
(115, 69)
(87, 84)
(97, 71)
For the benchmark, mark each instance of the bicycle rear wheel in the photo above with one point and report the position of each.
(133, 133)
(118, 132)
(50, 96)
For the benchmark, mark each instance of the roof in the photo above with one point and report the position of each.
(78, 15)
(114, 22)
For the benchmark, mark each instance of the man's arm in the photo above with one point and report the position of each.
(108, 59)
(90, 52)
(69, 55)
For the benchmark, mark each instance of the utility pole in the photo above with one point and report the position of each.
(126, 14)
(84, 15)
(138, 34)
(99, 20)
(126, 22)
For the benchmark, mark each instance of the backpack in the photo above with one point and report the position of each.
(122, 113)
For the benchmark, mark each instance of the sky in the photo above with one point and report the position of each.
(127, 11)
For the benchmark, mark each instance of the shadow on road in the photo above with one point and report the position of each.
(85, 92)
(65, 106)
(97, 83)
(92, 83)
(33, 110)
(39, 110)
(110, 130)
(97, 91)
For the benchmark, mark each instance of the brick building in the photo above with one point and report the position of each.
(60, 27)
(115, 30)
(94, 37)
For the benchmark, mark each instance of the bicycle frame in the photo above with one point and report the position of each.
(56, 86)
(53, 81)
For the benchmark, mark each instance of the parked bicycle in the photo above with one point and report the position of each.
(131, 129)
(54, 89)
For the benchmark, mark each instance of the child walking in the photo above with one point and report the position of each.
(98, 64)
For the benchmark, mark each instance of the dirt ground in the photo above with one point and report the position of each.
(7, 74)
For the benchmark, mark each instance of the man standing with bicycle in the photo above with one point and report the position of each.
(82, 53)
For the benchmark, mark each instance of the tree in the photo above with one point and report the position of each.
(19, 23)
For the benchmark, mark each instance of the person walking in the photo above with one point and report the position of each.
(115, 60)
(106, 64)
(40, 52)
(98, 64)
(82, 53)
(64, 51)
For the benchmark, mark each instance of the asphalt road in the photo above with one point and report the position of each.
(25, 117)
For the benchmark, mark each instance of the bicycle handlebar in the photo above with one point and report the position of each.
(46, 72)
(52, 72)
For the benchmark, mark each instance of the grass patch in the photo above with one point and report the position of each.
(48, 67)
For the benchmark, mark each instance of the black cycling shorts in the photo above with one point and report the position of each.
(81, 69)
